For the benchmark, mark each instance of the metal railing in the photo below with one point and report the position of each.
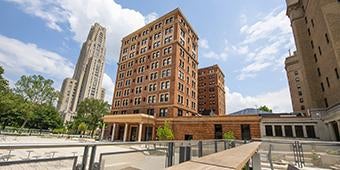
(281, 153)
(98, 155)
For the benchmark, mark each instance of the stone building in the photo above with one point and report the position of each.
(88, 74)
(316, 26)
(157, 81)
(211, 98)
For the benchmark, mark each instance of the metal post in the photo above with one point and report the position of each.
(256, 161)
(85, 154)
(170, 154)
(215, 143)
(200, 149)
(270, 157)
(93, 156)
(225, 145)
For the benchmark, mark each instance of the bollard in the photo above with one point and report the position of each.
(170, 154)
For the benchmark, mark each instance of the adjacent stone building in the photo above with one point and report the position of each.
(316, 26)
(88, 74)
(211, 98)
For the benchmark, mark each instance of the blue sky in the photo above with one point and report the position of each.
(248, 39)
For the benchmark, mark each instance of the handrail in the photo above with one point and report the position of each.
(291, 141)
(69, 145)
(235, 158)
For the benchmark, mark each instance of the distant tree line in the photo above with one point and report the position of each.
(31, 104)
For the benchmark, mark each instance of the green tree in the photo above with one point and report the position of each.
(91, 111)
(3, 82)
(11, 110)
(37, 92)
(36, 89)
(165, 132)
(82, 127)
(45, 117)
(229, 136)
(265, 108)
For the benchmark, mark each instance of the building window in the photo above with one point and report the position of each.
(326, 102)
(153, 76)
(320, 52)
(138, 100)
(301, 100)
(150, 112)
(180, 99)
(166, 73)
(303, 107)
(312, 44)
(165, 85)
(288, 131)
(327, 80)
(308, 31)
(319, 72)
(180, 112)
(278, 130)
(299, 131)
(322, 87)
(151, 99)
(315, 58)
(312, 21)
(269, 130)
(327, 39)
(337, 73)
(152, 87)
(163, 112)
(310, 131)
(164, 97)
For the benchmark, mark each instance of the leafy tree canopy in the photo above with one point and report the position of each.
(3, 82)
(265, 108)
(36, 89)
(165, 132)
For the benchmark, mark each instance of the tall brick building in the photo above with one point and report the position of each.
(316, 26)
(157, 81)
(157, 69)
(211, 98)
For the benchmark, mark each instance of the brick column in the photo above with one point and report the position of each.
(113, 132)
(125, 132)
(140, 128)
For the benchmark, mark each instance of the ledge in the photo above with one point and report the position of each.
(234, 158)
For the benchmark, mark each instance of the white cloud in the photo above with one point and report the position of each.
(274, 21)
(203, 43)
(151, 17)
(108, 85)
(23, 58)
(272, 36)
(79, 15)
(20, 58)
(47, 10)
(210, 54)
(278, 100)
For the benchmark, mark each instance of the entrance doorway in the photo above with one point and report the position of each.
(218, 131)
(336, 131)
(120, 132)
(245, 132)
(148, 133)
(133, 134)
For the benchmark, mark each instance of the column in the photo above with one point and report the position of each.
(113, 132)
(102, 134)
(283, 130)
(273, 128)
(125, 132)
(304, 131)
(153, 136)
(338, 121)
(140, 129)
(293, 128)
(331, 131)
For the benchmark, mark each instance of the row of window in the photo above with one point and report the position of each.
(164, 85)
(166, 51)
(163, 98)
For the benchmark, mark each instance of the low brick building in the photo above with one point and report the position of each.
(141, 127)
